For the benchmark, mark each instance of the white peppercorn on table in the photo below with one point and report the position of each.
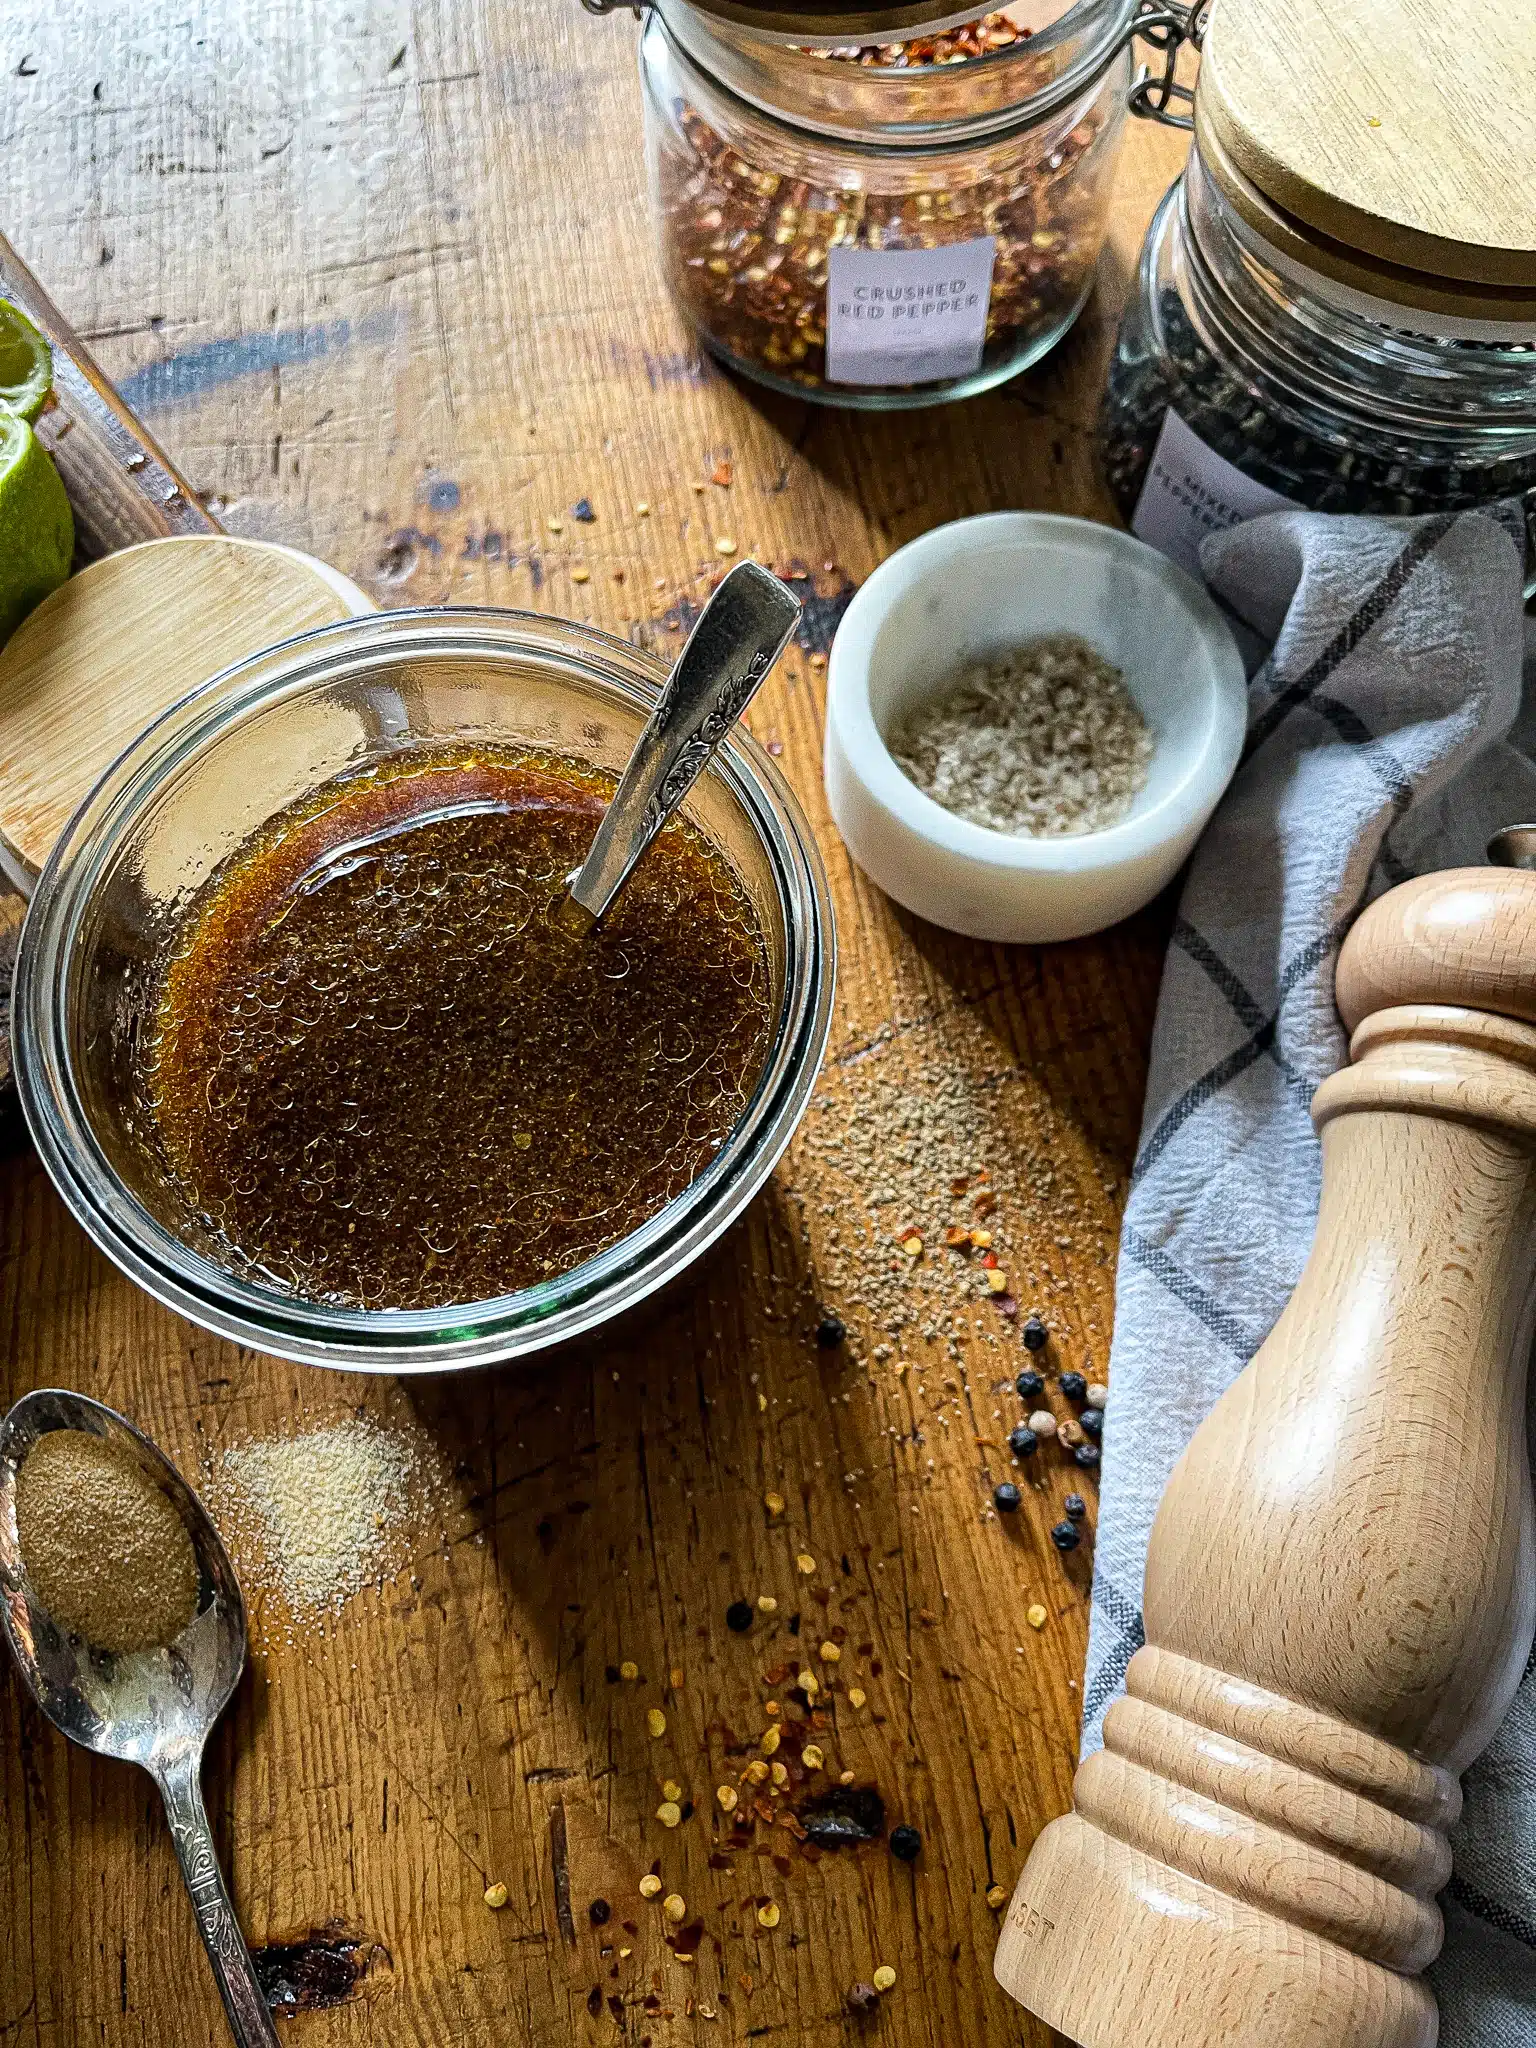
(382, 285)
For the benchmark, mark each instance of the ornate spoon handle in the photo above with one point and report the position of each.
(735, 641)
(249, 2021)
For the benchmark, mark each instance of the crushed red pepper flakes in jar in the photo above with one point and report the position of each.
(869, 223)
(951, 46)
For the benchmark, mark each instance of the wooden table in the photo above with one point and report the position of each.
(380, 278)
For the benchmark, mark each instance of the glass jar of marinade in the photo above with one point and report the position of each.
(851, 210)
(1336, 304)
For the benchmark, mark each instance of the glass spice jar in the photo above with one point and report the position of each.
(1310, 400)
(890, 225)
(1263, 362)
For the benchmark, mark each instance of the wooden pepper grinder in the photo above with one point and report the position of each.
(1341, 1585)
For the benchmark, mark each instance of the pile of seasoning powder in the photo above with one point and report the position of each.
(105, 1548)
(1042, 740)
(317, 1516)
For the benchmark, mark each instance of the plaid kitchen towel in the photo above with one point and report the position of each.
(1385, 739)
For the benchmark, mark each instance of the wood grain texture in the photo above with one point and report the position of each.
(1341, 1580)
(122, 486)
(121, 642)
(1320, 255)
(382, 281)
(1462, 936)
(1390, 125)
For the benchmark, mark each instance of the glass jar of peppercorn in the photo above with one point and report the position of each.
(1337, 302)
(882, 223)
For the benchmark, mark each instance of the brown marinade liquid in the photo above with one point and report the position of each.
(383, 1077)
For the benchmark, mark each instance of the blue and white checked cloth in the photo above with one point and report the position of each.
(1385, 739)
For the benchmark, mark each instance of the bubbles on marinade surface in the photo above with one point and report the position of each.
(382, 1077)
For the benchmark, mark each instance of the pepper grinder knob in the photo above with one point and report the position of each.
(1341, 1580)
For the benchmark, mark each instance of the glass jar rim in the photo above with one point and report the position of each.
(1339, 277)
(464, 1334)
(1221, 231)
(915, 109)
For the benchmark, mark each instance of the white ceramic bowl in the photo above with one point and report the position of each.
(980, 585)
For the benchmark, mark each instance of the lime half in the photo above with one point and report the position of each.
(37, 528)
(26, 364)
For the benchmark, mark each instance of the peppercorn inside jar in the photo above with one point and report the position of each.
(884, 225)
(1264, 361)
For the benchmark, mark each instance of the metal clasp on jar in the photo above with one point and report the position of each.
(1155, 94)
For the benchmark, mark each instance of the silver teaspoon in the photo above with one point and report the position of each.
(735, 641)
(153, 1707)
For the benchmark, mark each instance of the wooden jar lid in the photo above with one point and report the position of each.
(117, 645)
(1455, 307)
(1397, 133)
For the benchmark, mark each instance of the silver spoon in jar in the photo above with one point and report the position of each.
(735, 641)
(151, 1707)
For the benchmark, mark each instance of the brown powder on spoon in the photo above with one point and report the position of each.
(105, 1548)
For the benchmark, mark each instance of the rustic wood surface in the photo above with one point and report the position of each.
(380, 280)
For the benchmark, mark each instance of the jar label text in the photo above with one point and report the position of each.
(1191, 491)
(908, 316)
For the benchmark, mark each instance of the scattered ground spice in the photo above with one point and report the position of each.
(317, 1516)
(1038, 741)
(921, 1131)
(105, 1548)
